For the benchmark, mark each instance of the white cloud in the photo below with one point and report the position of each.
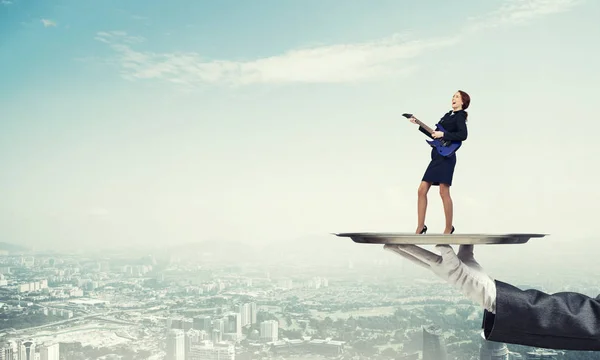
(48, 23)
(335, 63)
(519, 11)
(110, 38)
(322, 64)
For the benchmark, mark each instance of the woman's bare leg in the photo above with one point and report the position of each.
(422, 204)
(448, 206)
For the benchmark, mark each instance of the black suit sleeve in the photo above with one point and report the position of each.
(565, 320)
(461, 133)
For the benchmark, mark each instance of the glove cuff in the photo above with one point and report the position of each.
(480, 288)
(490, 296)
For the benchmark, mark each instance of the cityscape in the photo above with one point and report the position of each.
(175, 173)
(198, 302)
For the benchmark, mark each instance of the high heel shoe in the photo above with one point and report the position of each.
(424, 230)
(452, 232)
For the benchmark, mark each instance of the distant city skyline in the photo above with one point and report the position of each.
(183, 307)
(186, 121)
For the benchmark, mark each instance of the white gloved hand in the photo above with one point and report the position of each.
(462, 271)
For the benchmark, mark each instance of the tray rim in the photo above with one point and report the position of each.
(406, 234)
(379, 238)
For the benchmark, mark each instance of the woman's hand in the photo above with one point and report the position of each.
(437, 134)
(413, 120)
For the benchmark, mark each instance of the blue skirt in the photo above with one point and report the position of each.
(440, 169)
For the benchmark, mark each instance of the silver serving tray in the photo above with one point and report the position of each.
(435, 239)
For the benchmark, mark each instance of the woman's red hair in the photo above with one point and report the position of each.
(466, 100)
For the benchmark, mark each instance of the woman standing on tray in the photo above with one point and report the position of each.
(441, 168)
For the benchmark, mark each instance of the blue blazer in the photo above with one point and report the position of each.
(455, 125)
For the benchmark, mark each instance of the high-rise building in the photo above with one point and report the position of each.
(217, 336)
(219, 324)
(245, 314)
(434, 347)
(191, 336)
(176, 323)
(248, 313)
(175, 345)
(26, 350)
(252, 313)
(269, 330)
(8, 351)
(234, 323)
(209, 351)
(202, 322)
(491, 350)
(187, 324)
(49, 352)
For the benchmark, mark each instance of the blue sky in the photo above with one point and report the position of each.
(180, 121)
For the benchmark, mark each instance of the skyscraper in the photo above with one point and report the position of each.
(206, 350)
(245, 314)
(253, 313)
(8, 351)
(203, 322)
(175, 345)
(191, 336)
(269, 330)
(434, 347)
(49, 352)
(234, 323)
(217, 336)
(26, 350)
(219, 324)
